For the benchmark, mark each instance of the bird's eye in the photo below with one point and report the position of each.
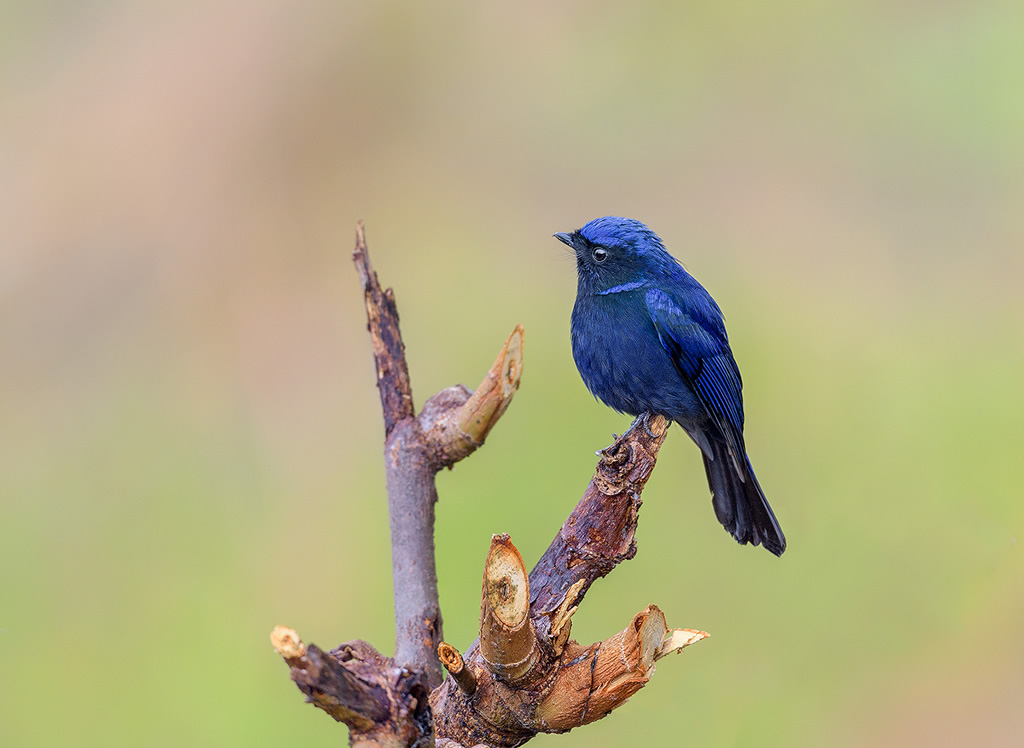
(600, 254)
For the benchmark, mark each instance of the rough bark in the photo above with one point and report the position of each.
(388, 349)
(530, 677)
(523, 675)
(600, 533)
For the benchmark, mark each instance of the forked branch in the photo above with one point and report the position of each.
(524, 675)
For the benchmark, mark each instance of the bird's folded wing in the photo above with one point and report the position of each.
(705, 361)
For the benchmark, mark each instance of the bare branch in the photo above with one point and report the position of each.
(452, 425)
(388, 349)
(382, 705)
(454, 422)
(409, 475)
(600, 532)
(340, 692)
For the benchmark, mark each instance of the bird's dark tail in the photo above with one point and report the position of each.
(739, 501)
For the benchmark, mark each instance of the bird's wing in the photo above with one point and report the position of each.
(704, 360)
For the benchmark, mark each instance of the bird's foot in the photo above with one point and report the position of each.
(645, 419)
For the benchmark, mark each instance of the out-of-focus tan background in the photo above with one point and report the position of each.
(190, 440)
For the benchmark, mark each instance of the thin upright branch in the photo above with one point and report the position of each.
(388, 348)
(453, 423)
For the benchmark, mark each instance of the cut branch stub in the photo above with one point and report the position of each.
(507, 639)
(355, 684)
(599, 678)
(456, 421)
(457, 668)
(489, 401)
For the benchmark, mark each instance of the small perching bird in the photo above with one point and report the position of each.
(648, 338)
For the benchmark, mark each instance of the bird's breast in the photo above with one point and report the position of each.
(622, 361)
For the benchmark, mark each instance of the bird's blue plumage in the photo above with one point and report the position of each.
(648, 338)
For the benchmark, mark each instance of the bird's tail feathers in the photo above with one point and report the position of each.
(739, 502)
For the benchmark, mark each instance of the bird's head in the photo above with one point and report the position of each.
(612, 252)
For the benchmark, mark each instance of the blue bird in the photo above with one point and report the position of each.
(648, 338)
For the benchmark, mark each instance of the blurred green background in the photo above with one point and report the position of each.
(190, 441)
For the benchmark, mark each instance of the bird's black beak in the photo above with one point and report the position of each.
(566, 239)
